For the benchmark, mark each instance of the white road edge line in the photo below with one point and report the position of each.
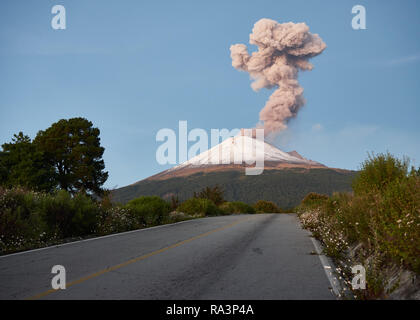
(95, 238)
(335, 284)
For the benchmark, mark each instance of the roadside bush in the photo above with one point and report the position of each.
(378, 171)
(398, 222)
(21, 225)
(381, 219)
(201, 207)
(314, 199)
(86, 215)
(69, 216)
(31, 219)
(236, 207)
(117, 219)
(351, 214)
(263, 206)
(176, 216)
(149, 210)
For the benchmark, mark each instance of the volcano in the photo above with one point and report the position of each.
(286, 179)
(246, 150)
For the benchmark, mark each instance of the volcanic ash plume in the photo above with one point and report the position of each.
(283, 49)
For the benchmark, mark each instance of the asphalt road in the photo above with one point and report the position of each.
(264, 256)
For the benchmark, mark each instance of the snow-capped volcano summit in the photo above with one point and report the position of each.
(242, 149)
(286, 177)
(237, 152)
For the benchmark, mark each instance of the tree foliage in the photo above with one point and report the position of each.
(378, 171)
(72, 147)
(22, 164)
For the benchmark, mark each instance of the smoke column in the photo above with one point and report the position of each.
(283, 50)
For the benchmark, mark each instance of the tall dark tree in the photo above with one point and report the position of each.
(73, 148)
(22, 164)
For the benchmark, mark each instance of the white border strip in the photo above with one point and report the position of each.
(95, 238)
(335, 284)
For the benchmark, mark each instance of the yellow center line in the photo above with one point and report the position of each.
(126, 263)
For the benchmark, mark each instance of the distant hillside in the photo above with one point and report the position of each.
(286, 187)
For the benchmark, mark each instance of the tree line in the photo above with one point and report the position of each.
(65, 156)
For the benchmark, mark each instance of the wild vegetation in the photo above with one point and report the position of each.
(267, 206)
(236, 207)
(199, 207)
(377, 225)
(31, 219)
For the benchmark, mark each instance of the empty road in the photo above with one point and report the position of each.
(263, 256)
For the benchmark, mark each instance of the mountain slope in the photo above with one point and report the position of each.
(286, 179)
(285, 187)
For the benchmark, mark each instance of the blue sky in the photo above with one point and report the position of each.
(134, 67)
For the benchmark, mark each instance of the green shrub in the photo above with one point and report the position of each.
(198, 206)
(397, 222)
(86, 215)
(31, 219)
(117, 219)
(70, 216)
(149, 210)
(378, 171)
(58, 212)
(263, 206)
(352, 215)
(381, 217)
(236, 207)
(21, 225)
(314, 199)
